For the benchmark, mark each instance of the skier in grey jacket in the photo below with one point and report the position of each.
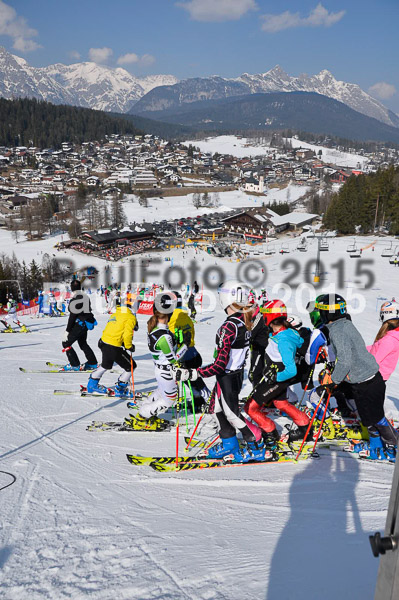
(356, 366)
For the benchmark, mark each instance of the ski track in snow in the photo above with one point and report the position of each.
(80, 521)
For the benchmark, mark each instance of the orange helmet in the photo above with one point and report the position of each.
(273, 310)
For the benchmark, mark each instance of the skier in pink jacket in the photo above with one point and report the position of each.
(385, 348)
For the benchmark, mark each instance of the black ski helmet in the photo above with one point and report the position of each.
(179, 299)
(76, 285)
(165, 302)
(331, 307)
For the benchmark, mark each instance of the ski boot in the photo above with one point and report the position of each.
(357, 433)
(70, 368)
(271, 439)
(299, 433)
(87, 367)
(139, 423)
(226, 446)
(328, 432)
(94, 387)
(24, 329)
(390, 452)
(121, 390)
(251, 452)
(375, 450)
(8, 329)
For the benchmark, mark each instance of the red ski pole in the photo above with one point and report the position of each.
(195, 428)
(322, 421)
(310, 425)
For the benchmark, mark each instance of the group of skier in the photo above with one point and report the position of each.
(283, 353)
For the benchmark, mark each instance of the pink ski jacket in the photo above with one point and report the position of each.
(386, 353)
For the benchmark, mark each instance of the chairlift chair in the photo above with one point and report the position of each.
(388, 252)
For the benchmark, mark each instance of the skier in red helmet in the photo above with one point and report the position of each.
(280, 372)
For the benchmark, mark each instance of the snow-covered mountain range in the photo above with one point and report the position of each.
(82, 84)
(114, 89)
(275, 80)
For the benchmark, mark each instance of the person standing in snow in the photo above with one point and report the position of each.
(258, 344)
(385, 348)
(165, 353)
(359, 368)
(232, 345)
(115, 344)
(81, 320)
(181, 324)
(191, 306)
(280, 372)
(11, 315)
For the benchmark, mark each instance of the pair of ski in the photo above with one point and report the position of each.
(14, 331)
(58, 368)
(118, 426)
(170, 464)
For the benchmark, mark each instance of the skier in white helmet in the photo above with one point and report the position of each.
(232, 345)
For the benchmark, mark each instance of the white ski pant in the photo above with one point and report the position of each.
(163, 397)
(10, 317)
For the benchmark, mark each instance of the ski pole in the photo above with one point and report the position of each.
(212, 442)
(192, 400)
(310, 425)
(177, 424)
(310, 378)
(196, 427)
(322, 421)
(132, 379)
(185, 406)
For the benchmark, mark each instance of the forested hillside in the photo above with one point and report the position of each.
(25, 122)
(356, 203)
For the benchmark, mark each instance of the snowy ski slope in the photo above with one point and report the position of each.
(80, 521)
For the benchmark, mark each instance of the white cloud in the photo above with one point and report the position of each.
(100, 55)
(217, 10)
(17, 28)
(74, 54)
(382, 90)
(128, 59)
(133, 59)
(318, 17)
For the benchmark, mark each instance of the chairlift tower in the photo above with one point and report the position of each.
(316, 278)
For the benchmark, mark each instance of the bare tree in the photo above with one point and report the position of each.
(143, 199)
(197, 200)
(216, 199)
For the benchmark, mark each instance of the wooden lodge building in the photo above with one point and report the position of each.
(253, 222)
(111, 238)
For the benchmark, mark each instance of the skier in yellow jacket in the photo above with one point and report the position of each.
(115, 344)
(179, 325)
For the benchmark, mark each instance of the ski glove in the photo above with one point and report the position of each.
(187, 338)
(180, 374)
(65, 336)
(270, 374)
(326, 382)
(132, 348)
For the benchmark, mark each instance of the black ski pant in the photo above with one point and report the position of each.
(369, 397)
(228, 387)
(257, 365)
(115, 354)
(78, 334)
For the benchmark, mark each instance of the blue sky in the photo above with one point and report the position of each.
(357, 40)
